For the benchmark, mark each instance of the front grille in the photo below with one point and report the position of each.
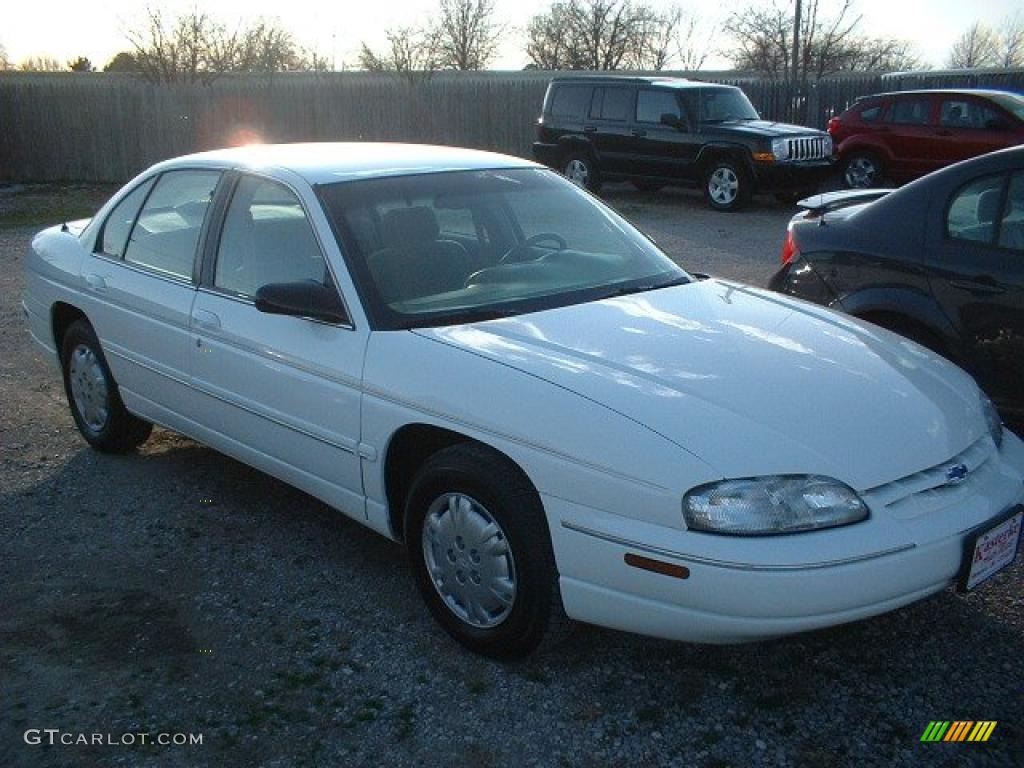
(929, 489)
(810, 148)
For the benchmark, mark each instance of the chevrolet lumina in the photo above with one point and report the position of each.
(471, 355)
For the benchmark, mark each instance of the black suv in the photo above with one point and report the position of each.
(656, 131)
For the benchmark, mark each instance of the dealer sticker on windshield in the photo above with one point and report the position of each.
(993, 550)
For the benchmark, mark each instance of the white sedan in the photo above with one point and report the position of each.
(469, 354)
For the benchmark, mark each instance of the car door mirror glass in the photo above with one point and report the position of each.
(304, 298)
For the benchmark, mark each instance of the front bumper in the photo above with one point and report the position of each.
(764, 591)
(792, 176)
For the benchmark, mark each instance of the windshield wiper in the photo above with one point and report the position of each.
(644, 287)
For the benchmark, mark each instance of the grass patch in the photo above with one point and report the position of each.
(40, 205)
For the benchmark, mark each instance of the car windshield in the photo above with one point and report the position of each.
(463, 246)
(1011, 103)
(718, 105)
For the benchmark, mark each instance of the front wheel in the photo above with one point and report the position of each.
(480, 549)
(582, 171)
(92, 394)
(726, 186)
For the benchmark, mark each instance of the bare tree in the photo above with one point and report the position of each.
(41, 64)
(411, 51)
(1011, 41)
(762, 35)
(467, 34)
(5, 63)
(978, 46)
(611, 34)
(196, 48)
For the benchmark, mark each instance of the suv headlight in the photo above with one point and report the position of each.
(828, 145)
(993, 419)
(780, 148)
(759, 506)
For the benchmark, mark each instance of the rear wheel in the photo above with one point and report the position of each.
(581, 170)
(92, 394)
(481, 553)
(726, 186)
(862, 170)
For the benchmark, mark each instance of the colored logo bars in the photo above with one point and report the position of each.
(958, 730)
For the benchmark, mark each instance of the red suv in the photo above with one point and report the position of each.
(907, 134)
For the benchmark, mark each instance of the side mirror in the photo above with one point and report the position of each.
(673, 121)
(301, 299)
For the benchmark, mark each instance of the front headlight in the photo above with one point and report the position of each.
(992, 418)
(780, 148)
(828, 146)
(759, 506)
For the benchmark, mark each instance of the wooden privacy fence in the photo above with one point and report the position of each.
(107, 127)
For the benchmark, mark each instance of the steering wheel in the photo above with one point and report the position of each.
(517, 250)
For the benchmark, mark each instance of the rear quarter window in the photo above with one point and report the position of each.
(871, 113)
(571, 101)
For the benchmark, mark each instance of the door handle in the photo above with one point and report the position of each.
(978, 284)
(590, 129)
(96, 282)
(206, 320)
(639, 132)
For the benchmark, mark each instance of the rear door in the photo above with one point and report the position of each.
(609, 128)
(142, 280)
(979, 256)
(910, 135)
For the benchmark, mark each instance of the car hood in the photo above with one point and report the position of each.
(748, 381)
(766, 128)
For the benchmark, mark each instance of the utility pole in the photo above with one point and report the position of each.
(795, 89)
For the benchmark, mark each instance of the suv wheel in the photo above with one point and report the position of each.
(582, 171)
(726, 186)
(862, 170)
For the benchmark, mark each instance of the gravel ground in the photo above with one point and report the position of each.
(176, 590)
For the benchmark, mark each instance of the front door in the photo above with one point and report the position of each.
(665, 144)
(281, 392)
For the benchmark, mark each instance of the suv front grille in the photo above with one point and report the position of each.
(809, 148)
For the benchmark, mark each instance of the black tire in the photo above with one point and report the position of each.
(93, 398)
(863, 170)
(647, 185)
(727, 187)
(472, 472)
(581, 169)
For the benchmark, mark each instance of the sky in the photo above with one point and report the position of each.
(66, 30)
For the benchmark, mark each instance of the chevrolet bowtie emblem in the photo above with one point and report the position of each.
(956, 474)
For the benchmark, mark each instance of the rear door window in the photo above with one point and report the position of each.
(165, 237)
(571, 101)
(612, 104)
(119, 223)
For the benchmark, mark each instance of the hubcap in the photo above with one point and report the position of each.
(861, 172)
(469, 560)
(723, 186)
(577, 172)
(89, 388)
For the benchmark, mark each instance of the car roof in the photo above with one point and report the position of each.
(661, 82)
(945, 92)
(327, 162)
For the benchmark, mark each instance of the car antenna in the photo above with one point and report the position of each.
(63, 210)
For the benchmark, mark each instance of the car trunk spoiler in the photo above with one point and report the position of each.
(818, 205)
